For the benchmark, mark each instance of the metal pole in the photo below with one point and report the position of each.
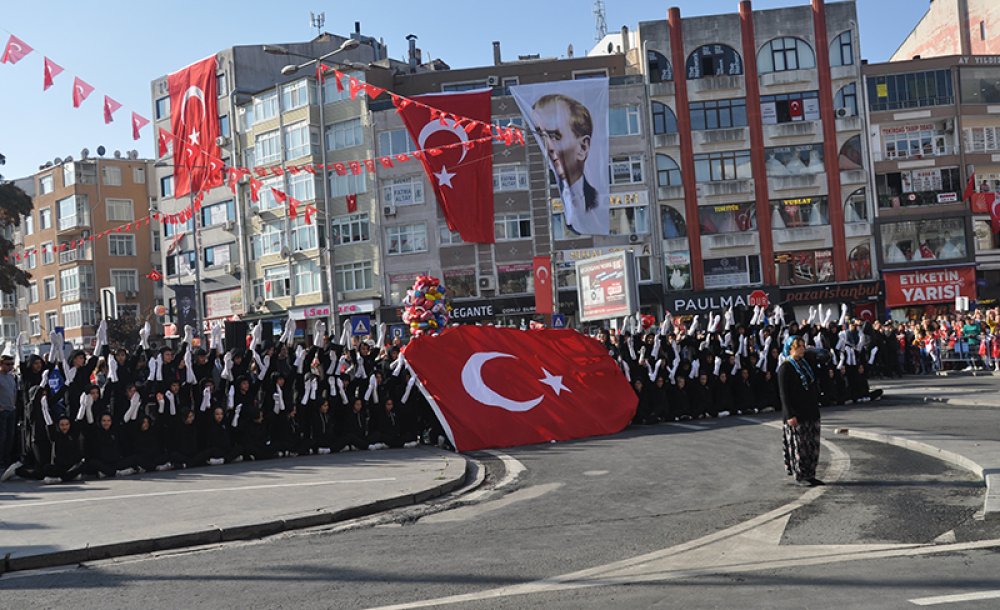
(328, 257)
(197, 267)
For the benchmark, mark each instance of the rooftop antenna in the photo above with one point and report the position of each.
(601, 22)
(317, 21)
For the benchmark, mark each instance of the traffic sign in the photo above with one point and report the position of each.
(397, 331)
(558, 320)
(109, 304)
(361, 326)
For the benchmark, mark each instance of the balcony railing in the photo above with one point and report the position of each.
(76, 222)
(76, 254)
(78, 294)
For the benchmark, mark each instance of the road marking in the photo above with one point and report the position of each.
(464, 513)
(955, 599)
(182, 492)
(595, 473)
(687, 426)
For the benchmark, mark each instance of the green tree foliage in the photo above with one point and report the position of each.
(14, 203)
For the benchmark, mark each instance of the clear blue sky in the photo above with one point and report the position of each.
(120, 46)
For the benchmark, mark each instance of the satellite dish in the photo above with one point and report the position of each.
(84, 153)
(118, 154)
(57, 161)
(68, 159)
(133, 154)
(101, 150)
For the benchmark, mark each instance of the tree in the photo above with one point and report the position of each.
(124, 332)
(14, 204)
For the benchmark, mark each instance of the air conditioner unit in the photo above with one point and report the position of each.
(493, 80)
(229, 225)
(255, 210)
(633, 238)
(222, 141)
(841, 113)
(389, 210)
(486, 283)
(341, 296)
(285, 252)
(258, 303)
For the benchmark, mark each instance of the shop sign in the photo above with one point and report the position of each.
(475, 310)
(907, 288)
(571, 256)
(223, 303)
(720, 300)
(837, 293)
(607, 286)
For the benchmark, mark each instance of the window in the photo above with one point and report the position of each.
(73, 212)
(782, 54)
(69, 174)
(626, 169)
(45, 218)
(461, 283)
(914, 141)
(664, 120)
(267, 147)
(715, 167)
(307, 278)
(302, 186)
(842, 50)
(801, 212)
(298, 140)
(714, 60)
(304, 236)
(731, 271)
(217, 256)
(349, 229)
(125, 280)
(36, 325)
(790, 107)
(139, 175)
(29, 224)
(787, 161)
(354, 276)
(112, 175)
(916, 187)
(221, 85)
(163, 107)
(658, 67)
(510, 81)
(469, 86)
(79, 314)
(803, 267)
(982, 139)
(217, 213)
(48, 254)
(846, 100)
(510, 178)
(911, 90)
(330, 92)
(51, 320)
(515, 279)
(585, 74)
(170, 230)
(447, 237)
(167, 187)
(668, 173)
(980, 85)
(719, 114)
(128, 311)
(347, 184)
(120, 210)
(265, 107)
(181, 263)
(33, 292)
(624, 120)
(856, 207)
(405, 239)
(224, 125)
(267, 200)
(121, 245)
(628, 219)
(394, 142)
(45, 185)
(8, 328)
(249, 157)
(49, 288)
(344, 134)
(275, 284)
(76, 284)
(270, 240)
(727, 218)
(407, 191)
(923, 240)
(512, 226)
(32, 261)
(295, 95)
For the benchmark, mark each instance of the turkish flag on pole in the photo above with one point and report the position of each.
(81, 91)
(462, 176)
(503, 387)
(110, 106)
(15, 51)
(52, 70)
(970, 187)
(194, 121)
(541, 268)
(993, 201)
(138, 122)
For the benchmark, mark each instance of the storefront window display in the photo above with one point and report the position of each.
(727, 218)
(931, 186)
(461, 283)
(678, 271)
(731, 271)
(674, 226)
(801, 212)
(856, 207)
(804, 267)
(923, 240)
(985, 239)
(515, 279)
(851, 155)
(859, 263)
(795, 160)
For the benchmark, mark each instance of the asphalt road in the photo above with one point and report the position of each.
(659, 517)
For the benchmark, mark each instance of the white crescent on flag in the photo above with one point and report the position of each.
(193, 92)
(433, 126)
(472, 379)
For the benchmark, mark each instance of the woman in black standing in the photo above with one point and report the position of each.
(799, 393)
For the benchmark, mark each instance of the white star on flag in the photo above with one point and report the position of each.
(194, 137)
(444, 177)
(555, 382)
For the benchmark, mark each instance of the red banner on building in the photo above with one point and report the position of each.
(906, 288)
(194, 121)
(541, 268)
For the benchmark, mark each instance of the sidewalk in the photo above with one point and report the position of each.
(960, 390)
(50, 525)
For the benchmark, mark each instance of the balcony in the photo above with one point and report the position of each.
(666, 140)
(725, 187)
(858, 229)
(668, 193)
(712, 137)
(661, 89)
(802, 234)
(726, 241)
(84, 253)
(677, 244)
(850, 123)
(709, 84)
(788, 77)
(853, 176)
(76, 223)
(792, 183)
(797, 129)
(78, 294)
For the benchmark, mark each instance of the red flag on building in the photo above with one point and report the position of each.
(81, 91)
(194, 120)
(541, 269)
(138, 122)
(502, 387)
(462, 176)
(52, 70)
(993, 201)
(352, 203)
(795, 110)
(15, 51)
(110, 106)
(970, 187)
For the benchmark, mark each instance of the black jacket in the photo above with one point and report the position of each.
(797, 400)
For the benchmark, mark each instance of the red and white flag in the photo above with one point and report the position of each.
(502, 387)
(81, 91)
(795, 110)
(52, 70)
(110, 106)
(163, 140)
(462, 176)
(138, 122)
(194, 120)
(541, 269)
(993, 201)
(15, 51)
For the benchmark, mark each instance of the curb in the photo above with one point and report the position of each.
(991, 504)
(227, 534)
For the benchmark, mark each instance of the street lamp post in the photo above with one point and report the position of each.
(288, 70)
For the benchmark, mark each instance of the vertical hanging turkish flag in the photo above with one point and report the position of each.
(52, 70)
(81, 91)
(110, 106)
(138, 122)
(795, 110)
(462, 176)
(993, 201)
(352, 204)
(194, 120)
(541, 268)
(15, 51)
(502, 387)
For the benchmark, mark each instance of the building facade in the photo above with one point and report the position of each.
(953, 27)
(75, 200)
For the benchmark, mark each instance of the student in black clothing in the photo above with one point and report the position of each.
(680, 403)
(183, 447)
(104, 451)
(700, 395)
(217, 442)
(286, 436)
(389, 429)
(857, 384)
(644, 408)
(67, 454)
(256, 443)
(799, 393)
(356, 430)
(743, 398)
(659, 391)
(144, 447)
(723, 400)
(765, 390)
(833, 390)
(322, 428)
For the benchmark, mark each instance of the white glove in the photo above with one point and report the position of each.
(319, 334)
(227, 367)
(86, 408)
(216, 340)
(729, 317)
(397, 366)
(255, 335)
(263, 369)
(236, 415)
(828, 316)
(843, 314)
(345, 337)
(152, 369)
(381, 334)
(189, 367)
(340, 390)
(300, 358)
(133, 407)
(102, 337)
(372, 393)
(231, 397)
(113, 369)
(718, 366)
(812, 315)
(694, 326)
(279, 402)
(695, 367)
(144, 335)
(288, 334)
(206, 399)
(409, 387)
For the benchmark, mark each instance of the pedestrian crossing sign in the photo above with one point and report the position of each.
(361, 326)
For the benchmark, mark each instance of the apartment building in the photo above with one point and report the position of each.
(13, 318)
(953, 27)
(760, 161)
(73, 201)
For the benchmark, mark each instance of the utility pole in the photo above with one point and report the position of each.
(601, 22)
(317, 20)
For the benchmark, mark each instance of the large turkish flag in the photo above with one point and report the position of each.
(503, 387)
(194, 121)
(462, 176)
